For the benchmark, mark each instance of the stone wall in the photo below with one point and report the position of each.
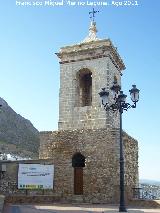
(101, 171)
(104, 62)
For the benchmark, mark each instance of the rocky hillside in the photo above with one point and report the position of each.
(17, 135)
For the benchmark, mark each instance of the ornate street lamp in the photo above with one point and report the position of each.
(120, 105)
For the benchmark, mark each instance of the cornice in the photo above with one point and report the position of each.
(89, 51)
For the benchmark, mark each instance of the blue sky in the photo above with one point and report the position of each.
(29, 82)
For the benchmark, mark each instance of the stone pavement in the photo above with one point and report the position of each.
(62, 208)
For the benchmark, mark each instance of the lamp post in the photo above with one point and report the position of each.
(119, 104)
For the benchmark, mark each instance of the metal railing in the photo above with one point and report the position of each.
(146, 194)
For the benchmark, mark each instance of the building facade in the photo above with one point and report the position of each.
(85, 149)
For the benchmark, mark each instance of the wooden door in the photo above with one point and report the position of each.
(78, 180)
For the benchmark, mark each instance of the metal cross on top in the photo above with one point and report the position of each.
(92, 14)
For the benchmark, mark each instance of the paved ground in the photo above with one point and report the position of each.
(62, 208)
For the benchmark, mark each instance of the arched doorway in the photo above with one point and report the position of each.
(78, 162)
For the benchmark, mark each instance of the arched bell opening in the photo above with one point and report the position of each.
(84, 89)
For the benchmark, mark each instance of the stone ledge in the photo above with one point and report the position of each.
(32, 199)
(145, 203)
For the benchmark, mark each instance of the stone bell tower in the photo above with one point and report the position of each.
(85, 149)
(84, 69)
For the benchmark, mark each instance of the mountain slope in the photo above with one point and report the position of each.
(17, 135)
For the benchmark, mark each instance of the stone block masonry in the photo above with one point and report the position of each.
(101, 172)
(99, 60)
